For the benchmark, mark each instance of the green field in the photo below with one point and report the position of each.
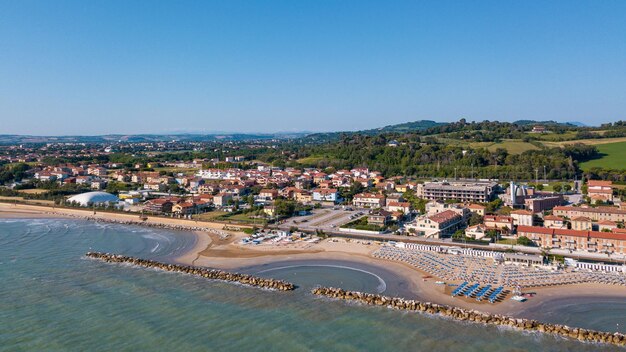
(513, 146)
(553, 137)
(614, 157)
(312, 160)
(596, 141)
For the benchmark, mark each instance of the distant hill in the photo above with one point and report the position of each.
(405, 127)
(398, 128)
(546, 123)
(304, 137)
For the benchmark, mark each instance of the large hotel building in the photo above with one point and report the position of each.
(478, 192)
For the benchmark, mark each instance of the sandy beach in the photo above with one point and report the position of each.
(228, 255)
(212, 250)
(26, 211)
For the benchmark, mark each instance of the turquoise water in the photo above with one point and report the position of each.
(52, 298)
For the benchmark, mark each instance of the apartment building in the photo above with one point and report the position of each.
(595, 214)
(588, 241)
(436, 225)
(480, 192)
(368, 200)
(542, 203)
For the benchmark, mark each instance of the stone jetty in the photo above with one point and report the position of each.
(211, 274)
(158, 225)
(460, 314)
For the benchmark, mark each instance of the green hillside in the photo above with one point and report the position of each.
(614, 157)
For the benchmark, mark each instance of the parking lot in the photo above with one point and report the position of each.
(327, 219)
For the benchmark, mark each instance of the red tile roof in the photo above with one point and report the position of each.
(534, 229)
(609, 210)
(598, 183)
(618, 235)
(444, 216)
(553, 218)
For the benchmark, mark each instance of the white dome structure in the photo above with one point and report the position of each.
(93, 198)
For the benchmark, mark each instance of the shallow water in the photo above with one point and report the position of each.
(52, 298)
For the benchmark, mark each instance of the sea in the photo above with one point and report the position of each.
(52, 298)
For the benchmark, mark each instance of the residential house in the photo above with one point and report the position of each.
(158, 206)
(268, 194)
(325, 195)
(303, 197)
(368, 200)
(582, 223)
(184, 208)
(222, 199)
(379, 218)
(477, 231)
(98, 184)
(606, 225)
(554, 222)
(403, 207)
(270, 210)
(600, 190)
(522, 217)
(477, 208)
(499, 222)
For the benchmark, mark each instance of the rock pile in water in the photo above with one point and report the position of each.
(584, 335)
(212, 274)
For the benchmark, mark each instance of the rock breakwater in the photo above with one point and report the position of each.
(460, 314)
(158, 225)
(212, 274)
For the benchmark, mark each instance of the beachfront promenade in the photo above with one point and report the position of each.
(485, 270)
(594, 257)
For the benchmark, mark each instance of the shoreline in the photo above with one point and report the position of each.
(212, 250)
(18, 210)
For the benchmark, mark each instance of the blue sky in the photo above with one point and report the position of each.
(96, 67)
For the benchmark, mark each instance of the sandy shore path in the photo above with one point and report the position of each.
(23, 210)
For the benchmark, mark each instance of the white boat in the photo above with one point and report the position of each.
(518, 298)
(440, 282)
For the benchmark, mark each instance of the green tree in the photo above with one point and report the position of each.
(284, 207)
(494, 205)
(475, 219)
(459, 234)
(524, 241)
